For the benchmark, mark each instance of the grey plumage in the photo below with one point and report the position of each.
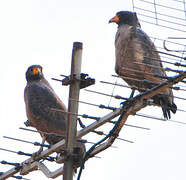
(40, 99)
(45, 111)
(137, 59)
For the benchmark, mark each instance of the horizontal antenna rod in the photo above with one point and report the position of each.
(29, 142)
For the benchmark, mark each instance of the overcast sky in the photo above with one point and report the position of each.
(42, 32)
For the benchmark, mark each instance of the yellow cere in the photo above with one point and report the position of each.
(36, 70)
(115, 19)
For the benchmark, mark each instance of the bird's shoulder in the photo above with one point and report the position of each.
(142, 38)
(37, 88)
(45, 110)
(126, 32)
(42, 94)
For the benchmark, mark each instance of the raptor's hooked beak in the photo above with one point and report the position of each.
(37, 71)
(114, 19)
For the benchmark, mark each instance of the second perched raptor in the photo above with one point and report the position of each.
(137, 59)
(41, 102)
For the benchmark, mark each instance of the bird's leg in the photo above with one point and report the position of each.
(130, 97)
(43, 141)
(81, 123)
(34, 155)
(27, 123)
(132, 93)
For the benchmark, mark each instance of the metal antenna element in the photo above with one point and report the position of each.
(31, 130)
(36, 143)
(126, 86)
(101, 132)
(20, 177)
(16, 177)
(172, 50)
(10, 163)
(117, 96)
(100, 106)
(82, 115)
(56, 79)
(52, 134)
(49, 158)
(110, 108)
(16, 152)
(29, 142)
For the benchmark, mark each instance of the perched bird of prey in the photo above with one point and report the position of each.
(138, 61)
(41, 102)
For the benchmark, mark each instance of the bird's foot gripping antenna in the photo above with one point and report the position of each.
(132, 93)
(129, 99)
(27, 123)
(84, 79)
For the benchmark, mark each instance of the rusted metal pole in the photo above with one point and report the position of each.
(73, 108)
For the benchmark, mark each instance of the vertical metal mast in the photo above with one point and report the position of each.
(73, 108)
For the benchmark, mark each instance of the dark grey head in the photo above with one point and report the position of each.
(125, 17)
(34, 73)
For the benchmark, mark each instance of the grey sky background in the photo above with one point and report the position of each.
(42, 32)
